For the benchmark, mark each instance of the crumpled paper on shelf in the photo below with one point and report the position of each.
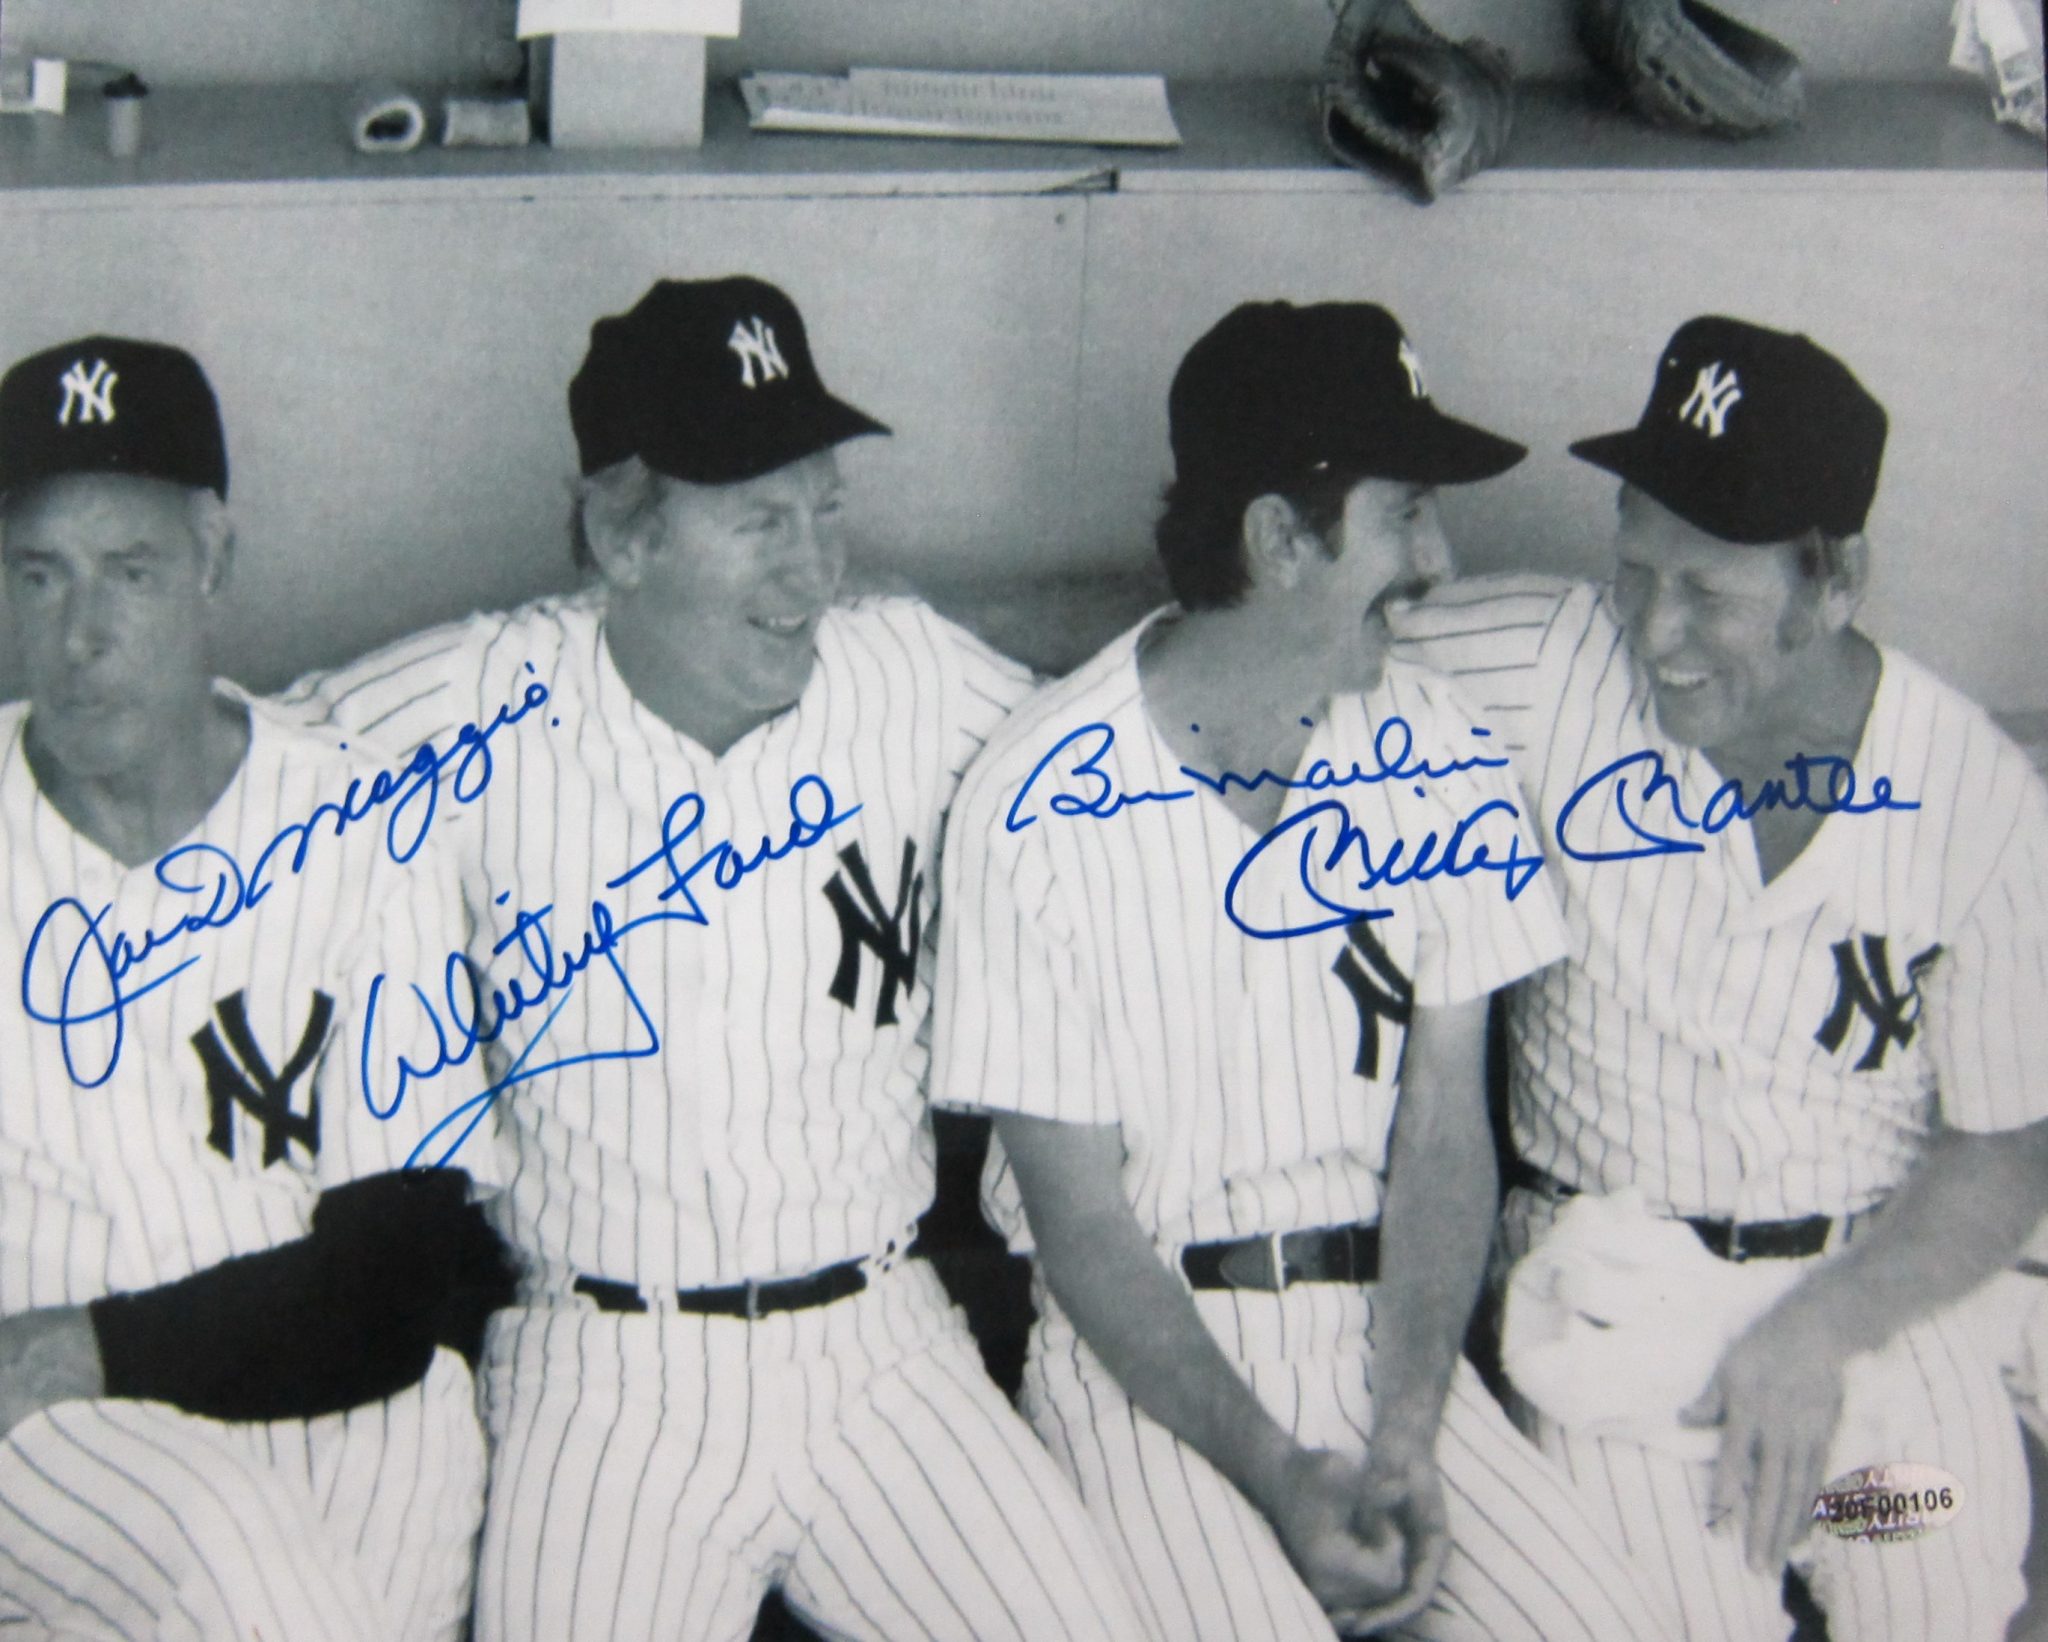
(1999, 41)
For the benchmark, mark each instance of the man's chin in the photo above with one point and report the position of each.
(93, 755)
(1690, 724)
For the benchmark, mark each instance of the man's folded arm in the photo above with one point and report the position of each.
(395, 1264)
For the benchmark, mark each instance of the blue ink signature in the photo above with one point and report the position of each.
(468, 1016)
(1393, 751)
(1728, 804)
(214, 888)
(1348, 846)
(1100, 798)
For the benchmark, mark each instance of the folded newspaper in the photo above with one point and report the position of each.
(1119, 109)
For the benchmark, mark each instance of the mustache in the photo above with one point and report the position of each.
(1414, 587)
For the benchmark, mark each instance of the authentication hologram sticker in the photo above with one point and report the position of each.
(1884, 1503)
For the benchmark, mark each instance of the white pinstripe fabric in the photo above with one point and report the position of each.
(116, 1187)
(1677, 1050)
(656, 1474)
(1089, 974)
(792, 1134)
(1682, 1049)
(128, 1520)
(1526, 1564)
(131, 1519)
(1963, 1581)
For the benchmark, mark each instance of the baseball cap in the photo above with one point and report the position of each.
(110, 404)
(706, 380)
(1275, 393)
(1753, 435)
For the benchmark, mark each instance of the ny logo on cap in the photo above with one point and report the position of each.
(1714, 392)
(88, 394)
(754, 342)
(1417, 387)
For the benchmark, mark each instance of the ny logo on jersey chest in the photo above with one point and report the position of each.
(238, 1074)
(1864, 986)
(1377, 987)
(868, 923)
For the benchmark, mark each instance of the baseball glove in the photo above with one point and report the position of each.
(1681, 63)
(1400, 98)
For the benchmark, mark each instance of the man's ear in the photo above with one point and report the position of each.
(1848, 579)
(215, 532)
(622, 521)
(1276, 541)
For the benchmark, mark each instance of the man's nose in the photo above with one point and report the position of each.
(87, 629)
(1430, 549)
(1658, 626)
(815, 554)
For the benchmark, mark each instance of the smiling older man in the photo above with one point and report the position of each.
(1807, 890)
(726, 1375)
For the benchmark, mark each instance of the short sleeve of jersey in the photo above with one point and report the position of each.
(420, 689)
(1479, 930)
(1015, 1026)
(1987, 997)
(983, 686)
(1496, 639)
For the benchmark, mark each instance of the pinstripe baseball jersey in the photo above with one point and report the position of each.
(1737, 1048)
(1096, 969)
(180, 1058)
(742, 1095)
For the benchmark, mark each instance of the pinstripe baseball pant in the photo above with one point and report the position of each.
(1526, 1564)
(1961, 1583)
(655, 1475)
(125, 1521)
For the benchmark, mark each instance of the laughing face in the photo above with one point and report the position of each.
(1388, 547)
(1722, 631)
(737, 578)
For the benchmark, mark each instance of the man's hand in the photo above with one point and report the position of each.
(49, 1355)
(1313, 1510)
(1777, 1397)
(1400, 1503)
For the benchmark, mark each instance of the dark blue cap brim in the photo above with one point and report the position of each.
(1717, 504)
(1430, 450)
(827, 422)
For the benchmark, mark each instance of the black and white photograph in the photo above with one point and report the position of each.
(1108, 821)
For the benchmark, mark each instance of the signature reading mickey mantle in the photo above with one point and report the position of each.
(1325, 839)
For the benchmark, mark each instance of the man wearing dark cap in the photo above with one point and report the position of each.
(708, 867)
(1223, 913)
(224, 1408)
(1807, 891)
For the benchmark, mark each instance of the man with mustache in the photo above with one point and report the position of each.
(1807, 890)
(225, 1406)
(710, 863)
(1205, 961)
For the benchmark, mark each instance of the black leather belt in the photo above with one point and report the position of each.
(1730, 1239)
(748, 1300)
(1326, 1254)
